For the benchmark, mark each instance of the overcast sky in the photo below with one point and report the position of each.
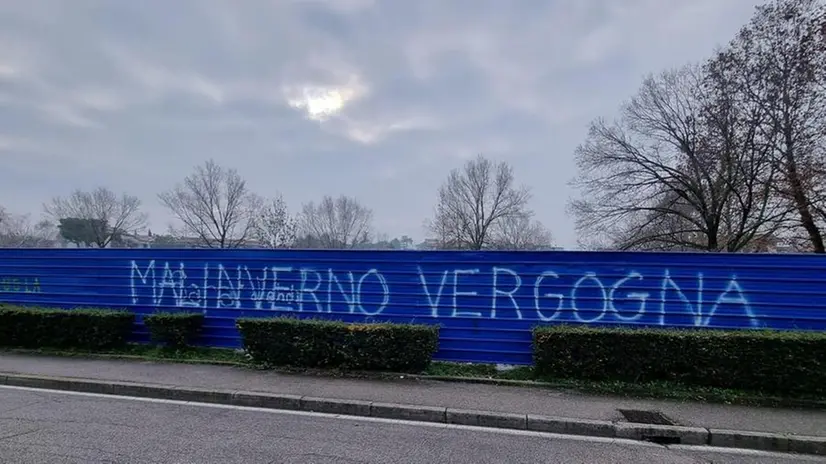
(376, 99)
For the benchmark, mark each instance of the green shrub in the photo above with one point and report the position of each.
(284, 341)
(391, 347)
(769, 361)
(176, 330)
(29, 327)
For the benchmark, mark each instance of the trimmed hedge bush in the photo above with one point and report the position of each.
(91, 329)
(769, 361)
(285, 341)
(176, 330)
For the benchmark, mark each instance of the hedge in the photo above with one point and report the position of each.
(29, 327)
(775, 362)
(285, 341)
(176, 330)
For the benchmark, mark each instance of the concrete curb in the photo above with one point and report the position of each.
(445, 415)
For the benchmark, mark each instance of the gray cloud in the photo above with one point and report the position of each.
(372, 98)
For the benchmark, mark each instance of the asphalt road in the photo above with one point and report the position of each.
(59, 427)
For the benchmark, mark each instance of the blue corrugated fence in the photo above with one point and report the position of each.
(486, 302)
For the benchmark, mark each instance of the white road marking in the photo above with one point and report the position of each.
(528, 433)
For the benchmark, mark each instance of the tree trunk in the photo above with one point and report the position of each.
(801, 203)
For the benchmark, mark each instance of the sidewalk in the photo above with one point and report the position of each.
(520, 400)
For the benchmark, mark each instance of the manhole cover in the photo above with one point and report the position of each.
(645, 417)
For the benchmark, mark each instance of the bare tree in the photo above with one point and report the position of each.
(780, 61)
(336, 223)
(105, 215)
(214, 205)
(683, 168)
(18, 231)
(521, 232)
(445, 231)
(656, 231)
(660, 232)
(474, 200)
(275, 228)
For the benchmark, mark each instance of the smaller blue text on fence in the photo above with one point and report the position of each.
(485, 302)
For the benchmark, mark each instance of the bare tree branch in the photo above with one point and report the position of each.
(681, 169)
(18, 231)
(108, 215)
(520, 232)
(214, 205)
(779, 59)
(275, 228)
(473, 201)
(336, 223)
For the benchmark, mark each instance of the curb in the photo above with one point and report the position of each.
(661, 434)
(123, 357)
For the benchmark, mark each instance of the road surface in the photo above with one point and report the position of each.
(38, 426)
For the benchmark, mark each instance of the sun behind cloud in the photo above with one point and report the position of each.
(322, 102)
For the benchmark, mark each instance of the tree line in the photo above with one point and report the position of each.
(722, 155)
(479, 207)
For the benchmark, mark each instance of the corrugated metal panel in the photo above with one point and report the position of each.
(486, 302)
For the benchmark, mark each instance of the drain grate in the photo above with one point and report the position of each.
(638, 416)
(665, 441)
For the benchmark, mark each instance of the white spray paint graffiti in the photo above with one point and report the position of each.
(504, 294)
(550, 306)
(220, 287)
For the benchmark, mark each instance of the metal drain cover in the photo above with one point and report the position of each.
(638, 416)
